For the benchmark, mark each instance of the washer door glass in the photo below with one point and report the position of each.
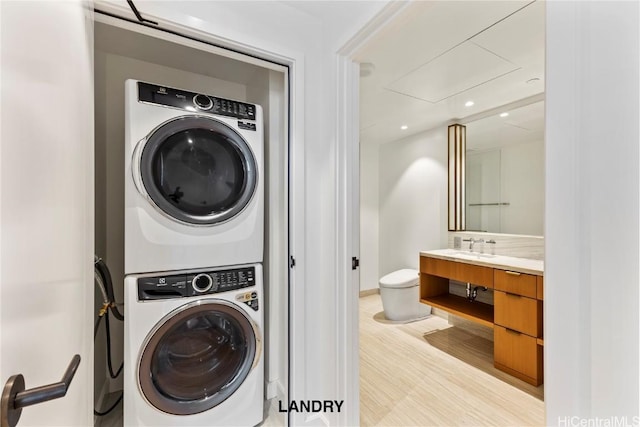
(197, 358)
(198, 170)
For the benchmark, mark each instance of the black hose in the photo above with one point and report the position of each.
(100, 414)
(105, 276)
(109, 363)
(103, 270)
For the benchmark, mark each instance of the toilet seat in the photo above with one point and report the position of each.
(404, 278)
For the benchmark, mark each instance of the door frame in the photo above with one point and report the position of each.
(348, 211)
(578, 58)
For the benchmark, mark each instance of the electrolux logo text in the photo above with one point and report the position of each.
(311, 406)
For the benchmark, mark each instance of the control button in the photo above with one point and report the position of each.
(244, 297)
(203, 102)
(254, 295)
(202, 283)
(253, 304)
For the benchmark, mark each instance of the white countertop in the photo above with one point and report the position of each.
(502, 262)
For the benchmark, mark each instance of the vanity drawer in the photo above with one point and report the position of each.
(519, 313)
(517, 354)
(515, 282)
(459, 271)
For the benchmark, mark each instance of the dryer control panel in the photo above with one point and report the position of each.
(192, 284)
(191, 101)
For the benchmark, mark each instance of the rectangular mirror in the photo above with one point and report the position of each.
(504, 172)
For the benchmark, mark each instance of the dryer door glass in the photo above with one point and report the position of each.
(198, 170)
(197, 358)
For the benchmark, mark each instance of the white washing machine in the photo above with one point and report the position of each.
(193, 180)
(194, 348)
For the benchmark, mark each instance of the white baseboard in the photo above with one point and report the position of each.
(317, 419)
(282, 395)
(440, 313)
(272, 389)
(368, 292)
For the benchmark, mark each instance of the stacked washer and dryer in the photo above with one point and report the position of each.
(194, 227)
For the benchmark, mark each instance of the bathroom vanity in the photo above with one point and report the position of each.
(515, 316)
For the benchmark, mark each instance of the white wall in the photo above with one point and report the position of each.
(413, 198)
(592, 213)
(369, 209)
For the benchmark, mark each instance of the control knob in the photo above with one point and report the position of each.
(202, 283)
(203, 102)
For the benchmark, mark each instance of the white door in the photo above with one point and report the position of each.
(46, 203)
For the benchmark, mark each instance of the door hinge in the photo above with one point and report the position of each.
(355, 263)
(292, 262)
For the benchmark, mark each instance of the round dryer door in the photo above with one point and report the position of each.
(197, 357)
(198, 170)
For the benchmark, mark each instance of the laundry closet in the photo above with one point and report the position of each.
(150, 69)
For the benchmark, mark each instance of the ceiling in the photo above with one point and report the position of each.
(522, 125)
(437, 55)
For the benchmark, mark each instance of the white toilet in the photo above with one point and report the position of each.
(400, 293)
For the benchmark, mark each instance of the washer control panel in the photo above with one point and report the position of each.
(191, 101)
(193, 284)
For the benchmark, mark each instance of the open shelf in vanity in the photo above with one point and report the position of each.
(515, 316)
(435, 274)
(478, 312)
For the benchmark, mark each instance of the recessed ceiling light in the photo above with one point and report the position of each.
(504, 114)
(404, 127)
(468, 104)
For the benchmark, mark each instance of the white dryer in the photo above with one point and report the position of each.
(193, 180)
(193, 348)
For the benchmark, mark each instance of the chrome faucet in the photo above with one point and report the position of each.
(471, 241)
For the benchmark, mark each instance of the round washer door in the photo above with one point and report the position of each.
(196, 357)
(198, 170)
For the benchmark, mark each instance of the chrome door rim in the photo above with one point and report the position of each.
(167, 405)
(143, 168)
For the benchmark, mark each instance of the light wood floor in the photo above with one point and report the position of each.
(429, 373)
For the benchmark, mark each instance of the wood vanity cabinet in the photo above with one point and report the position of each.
(518, 325)
(517, 354)
(516, 316)
(478, 275)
